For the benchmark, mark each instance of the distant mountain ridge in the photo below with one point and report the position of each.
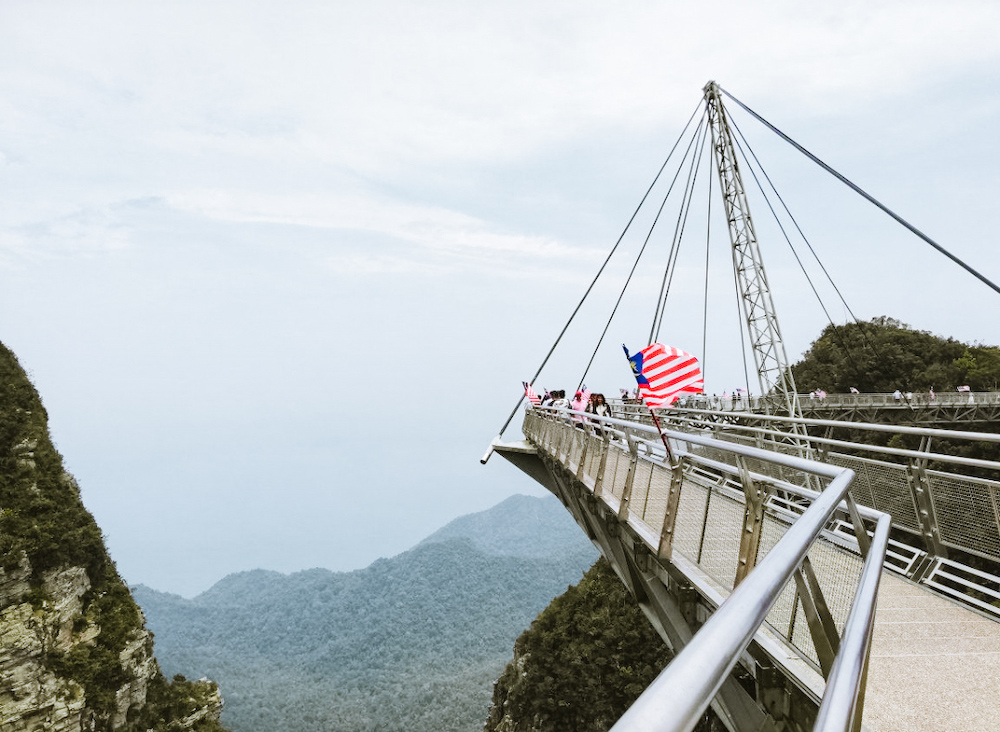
(413, 642)
(513, 528)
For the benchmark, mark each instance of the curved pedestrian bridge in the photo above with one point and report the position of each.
(925, 408)
(760, 553)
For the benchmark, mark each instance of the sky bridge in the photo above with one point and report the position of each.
(796, 643)
(924, 408)
(818, 561)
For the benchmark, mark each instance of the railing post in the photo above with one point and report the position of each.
(557, 445)
(864, 542)
(822, 628)
(633, 449)
(581, 467)
(920, 487)
(753, 521)
(670, 516)
(599, 482)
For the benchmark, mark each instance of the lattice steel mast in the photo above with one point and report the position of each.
(762, 322)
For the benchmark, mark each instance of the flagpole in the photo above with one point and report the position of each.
(663, 437)
(640, 379)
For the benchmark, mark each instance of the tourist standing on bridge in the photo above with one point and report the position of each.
(599, 406)
(559, 400)
(579, 404)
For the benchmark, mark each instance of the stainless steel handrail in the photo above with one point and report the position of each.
(898, 429)
(677, 698)
(918, 400)
(838, 710)
(865, 426)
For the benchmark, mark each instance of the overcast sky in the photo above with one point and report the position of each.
(278, 269)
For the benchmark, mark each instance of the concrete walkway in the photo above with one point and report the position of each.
(935, 666)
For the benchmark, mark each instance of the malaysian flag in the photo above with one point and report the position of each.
(663, 373)
(964, 388)
(530, 393)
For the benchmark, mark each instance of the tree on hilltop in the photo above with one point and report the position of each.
(883, 355)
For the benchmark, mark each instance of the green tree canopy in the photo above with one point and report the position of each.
(883, 355)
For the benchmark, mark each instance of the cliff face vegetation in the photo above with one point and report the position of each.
(74, 653)
(582, 663)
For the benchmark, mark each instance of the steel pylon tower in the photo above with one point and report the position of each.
(773, 372)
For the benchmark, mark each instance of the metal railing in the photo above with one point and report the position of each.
(923, 490)
(742, 402)
(767, 548)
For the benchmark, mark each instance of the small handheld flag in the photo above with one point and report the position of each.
(663, 373)
(530, 393)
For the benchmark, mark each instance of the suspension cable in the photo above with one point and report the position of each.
(899, 219)
(795, 223)
(599, 272)
(635, 265)
(805, 239)
(679, 230)
(774, 214)
(672, 255)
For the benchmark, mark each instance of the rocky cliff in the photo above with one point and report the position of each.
(75, 655)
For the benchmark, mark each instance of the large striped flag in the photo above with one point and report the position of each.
(530, 393)
(663, 373)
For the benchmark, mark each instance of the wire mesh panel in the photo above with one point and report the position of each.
(721, 550)
(724, 456)
(887, 485)
(615, 471)
(785, 609)
(838, 572)
(655, 507)
(790, 475)
(689, 526)
(621, 473)
(566, 444)
(966, 510)
(640, 486)
(595, 446)
(575, 449)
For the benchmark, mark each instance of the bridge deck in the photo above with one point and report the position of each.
(935, 665)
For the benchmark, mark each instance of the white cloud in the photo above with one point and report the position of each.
(82, 232)
(445, 240)
(381, 86)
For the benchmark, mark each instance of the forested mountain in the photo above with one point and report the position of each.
(582, 662)
(883, 355)
(74, 654)
(414, 642)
